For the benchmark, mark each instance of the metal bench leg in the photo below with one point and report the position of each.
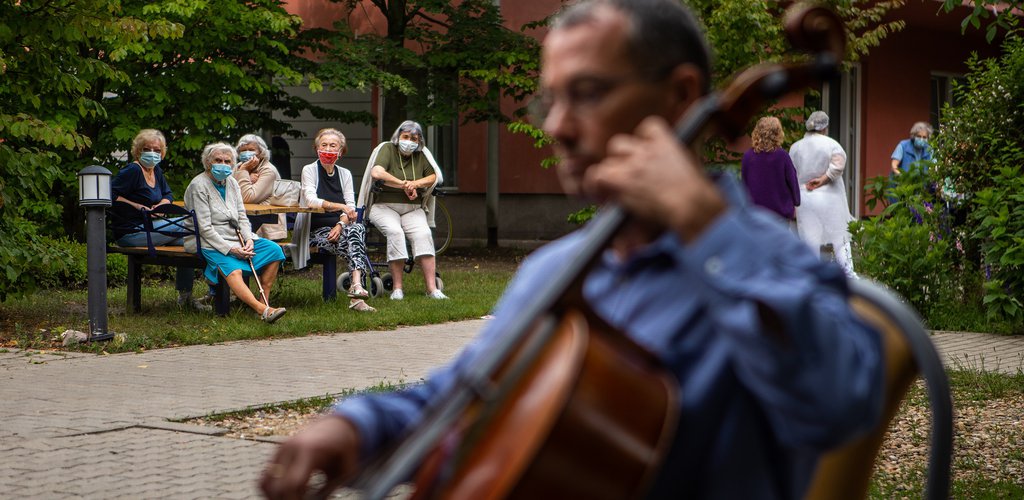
(221, 297)
(330, 286)
(134, 295)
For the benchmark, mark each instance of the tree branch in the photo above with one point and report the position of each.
(417, 13)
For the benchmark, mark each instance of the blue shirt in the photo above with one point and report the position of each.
(758, 407)
(907, 154)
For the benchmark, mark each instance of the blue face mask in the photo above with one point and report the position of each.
(220, 171)
(920, 143)
(245, 156)
(149, 159)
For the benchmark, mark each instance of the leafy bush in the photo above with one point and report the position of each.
(986, 129)
(911, 245)
(77, 274)
(998, 216)
(27, 257)
(61, 263)
(979, 150)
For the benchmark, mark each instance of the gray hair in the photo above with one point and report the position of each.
(254, 139)
(409, 126)
(663, 34)
(921, 127)
(817, 122)
(212, 149)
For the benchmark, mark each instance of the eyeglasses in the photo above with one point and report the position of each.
(151, 150)
(582, 96)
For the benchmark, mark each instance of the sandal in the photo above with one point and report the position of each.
(271, 317)
(356, 291)
(361, 306)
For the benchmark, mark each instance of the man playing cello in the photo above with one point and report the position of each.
(773, 368)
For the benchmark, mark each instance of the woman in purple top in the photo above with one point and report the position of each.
(768, 171)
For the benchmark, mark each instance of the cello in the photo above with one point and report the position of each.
(561, 394)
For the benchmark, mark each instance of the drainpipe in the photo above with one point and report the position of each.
(492, 166)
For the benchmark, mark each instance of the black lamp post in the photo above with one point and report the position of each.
(94, 195)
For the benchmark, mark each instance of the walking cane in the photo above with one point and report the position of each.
(263, 294)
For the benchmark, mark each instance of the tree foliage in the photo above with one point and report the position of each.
(80, 78)
(45, 95)
(750, 32)
(435, 61)
(999, 15)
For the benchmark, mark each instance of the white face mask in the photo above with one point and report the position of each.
(407, 147)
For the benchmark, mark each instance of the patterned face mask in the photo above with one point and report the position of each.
(328, 157)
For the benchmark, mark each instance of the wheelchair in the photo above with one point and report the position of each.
(378, 280)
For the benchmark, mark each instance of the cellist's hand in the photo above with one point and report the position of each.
(654, 178)
(329, 445)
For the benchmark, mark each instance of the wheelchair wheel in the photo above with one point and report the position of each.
(344, 281)
(376, 287)
(388, 281)
(442, 229)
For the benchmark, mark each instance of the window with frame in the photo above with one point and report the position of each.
(443, 141)
(941, 94)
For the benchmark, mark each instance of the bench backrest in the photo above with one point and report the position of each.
(845, 473)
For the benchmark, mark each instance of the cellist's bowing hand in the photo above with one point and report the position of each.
(329, 445)
(654, 178)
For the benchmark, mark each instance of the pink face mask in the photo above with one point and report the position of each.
(328, 157)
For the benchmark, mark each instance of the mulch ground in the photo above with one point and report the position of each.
(989, 440)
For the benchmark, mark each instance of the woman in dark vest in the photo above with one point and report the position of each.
(328, 186)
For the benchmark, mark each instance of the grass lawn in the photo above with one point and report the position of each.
(473, 278)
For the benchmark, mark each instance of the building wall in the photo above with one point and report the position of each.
(897, 78)
(358, 137)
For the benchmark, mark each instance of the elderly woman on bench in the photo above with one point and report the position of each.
(228, 243)
(141, 186)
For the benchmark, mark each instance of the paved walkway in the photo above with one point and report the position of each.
(81, 425)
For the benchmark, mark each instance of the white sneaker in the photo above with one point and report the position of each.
(397, 294)
(437, 294)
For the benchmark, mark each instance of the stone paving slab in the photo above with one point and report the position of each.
(981, 351)
(79, 425)
(88, 426)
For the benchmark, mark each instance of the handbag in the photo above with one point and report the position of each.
(285, 193)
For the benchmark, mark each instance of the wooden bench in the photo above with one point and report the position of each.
(174, 221)
(172, 256)
(176, 256)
